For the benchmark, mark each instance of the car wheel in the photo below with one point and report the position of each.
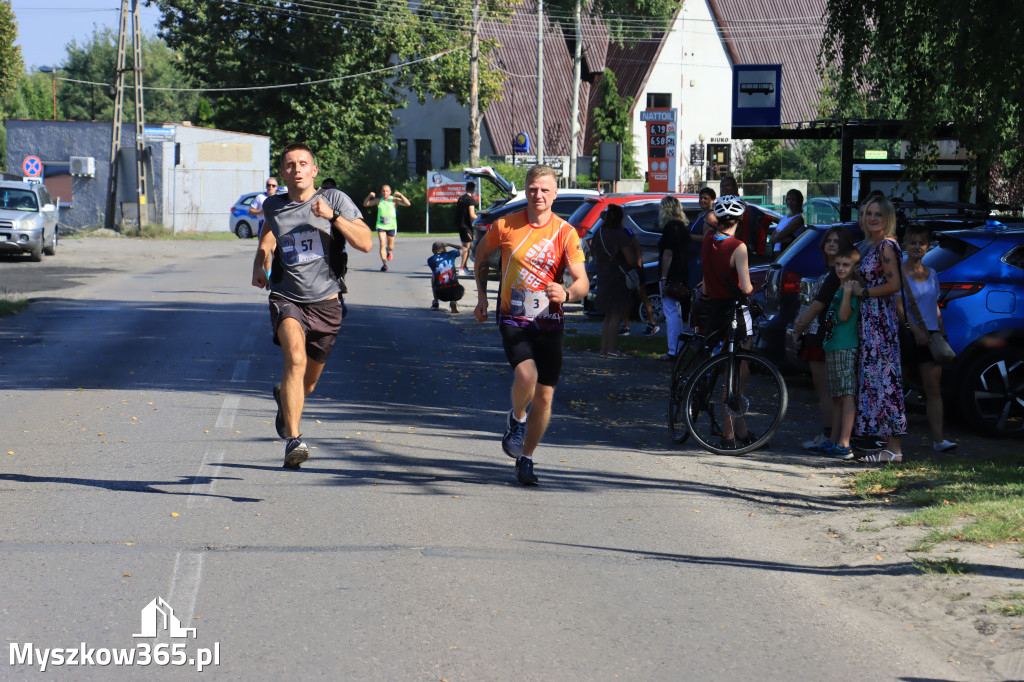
(993, 392)
(36, 254)
(243, 230)
(657, 307)
(51, 250)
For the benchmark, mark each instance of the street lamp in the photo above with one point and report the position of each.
(52, 70)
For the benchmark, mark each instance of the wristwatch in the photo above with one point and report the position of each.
(334, 216)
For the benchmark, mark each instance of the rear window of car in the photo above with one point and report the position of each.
(566, 208)
(576, 219)
(949, 252)
(1015, 258)
(646, 219)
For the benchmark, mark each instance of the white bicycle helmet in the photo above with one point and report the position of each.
(728, 206)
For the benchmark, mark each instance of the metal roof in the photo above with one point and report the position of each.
(786, 32)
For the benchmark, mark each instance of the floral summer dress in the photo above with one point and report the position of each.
(880, 410)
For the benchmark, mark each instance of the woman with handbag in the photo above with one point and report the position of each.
(919, 306)
(615, 257)
(673, 266)
(880, 409)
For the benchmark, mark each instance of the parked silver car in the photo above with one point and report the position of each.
(28, 219)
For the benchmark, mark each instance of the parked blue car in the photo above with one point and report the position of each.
(981, 276)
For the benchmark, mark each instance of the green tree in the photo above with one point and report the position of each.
(266, 43)
(446, 24)
(96, 61)
(931, 62)
(32, 98)
(11, 65)
(612, 123)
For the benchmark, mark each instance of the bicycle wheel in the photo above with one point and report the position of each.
(759, 407)
(687, 359)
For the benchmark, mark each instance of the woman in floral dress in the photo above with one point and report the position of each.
(880, 410)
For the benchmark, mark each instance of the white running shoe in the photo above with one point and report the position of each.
(814, 442)
(944, 446)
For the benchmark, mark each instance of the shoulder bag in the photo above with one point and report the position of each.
(631, 275)
(938, 345)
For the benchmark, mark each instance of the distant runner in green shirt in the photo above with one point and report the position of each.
(387, 223)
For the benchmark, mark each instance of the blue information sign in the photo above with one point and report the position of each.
(756, 95)
(521, 144)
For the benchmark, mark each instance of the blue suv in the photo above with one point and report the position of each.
(981, 276)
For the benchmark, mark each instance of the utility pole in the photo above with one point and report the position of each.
(474, 87)
(140, 141)
(115, 138)
(577, 78)
(540, 81)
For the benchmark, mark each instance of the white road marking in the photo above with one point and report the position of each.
(241, 372)
(209, 467)
(226, 418)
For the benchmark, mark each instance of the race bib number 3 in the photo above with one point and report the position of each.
(301, 247)
(529, 304)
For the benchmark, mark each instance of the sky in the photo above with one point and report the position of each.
(45, 27)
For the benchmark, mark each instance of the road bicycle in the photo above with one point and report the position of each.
(734, 389)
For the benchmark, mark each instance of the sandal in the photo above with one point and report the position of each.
(882, 457)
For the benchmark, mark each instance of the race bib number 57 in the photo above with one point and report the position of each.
(301, 247)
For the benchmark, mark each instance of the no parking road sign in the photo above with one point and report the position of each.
(32, 166)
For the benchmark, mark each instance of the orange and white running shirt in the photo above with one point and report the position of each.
(532, 256)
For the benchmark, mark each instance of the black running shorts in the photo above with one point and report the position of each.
(542, 346)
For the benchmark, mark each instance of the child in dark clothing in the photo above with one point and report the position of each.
(444, 278)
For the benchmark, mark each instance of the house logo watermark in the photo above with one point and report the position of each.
(156, 619)
(158, 615)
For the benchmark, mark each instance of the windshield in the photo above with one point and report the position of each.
(18, 200)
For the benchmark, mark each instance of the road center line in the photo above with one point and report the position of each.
(205, 481)
(241, 372)
(226, 418)
(188, 570)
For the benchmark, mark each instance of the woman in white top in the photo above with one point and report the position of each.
(923, 290)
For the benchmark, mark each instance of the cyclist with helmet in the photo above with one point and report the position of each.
(724, 262)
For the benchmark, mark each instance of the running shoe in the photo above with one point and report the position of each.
(454, 307)
(867, 443)
(435, 306)
(624, 330)
(944, 446)
(384, 268)
(279, 419)
(823, 449)
(651, 330)
(666, 358)
(389, 254)
(295, 453)
(524, 471)
(838, 452)
(515, 436)
(465, 272)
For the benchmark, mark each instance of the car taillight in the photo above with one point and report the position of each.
(790, 283)
(950, 291)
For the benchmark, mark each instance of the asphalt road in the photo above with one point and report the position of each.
(139, 460)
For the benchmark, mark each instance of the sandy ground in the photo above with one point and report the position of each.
(813, 517)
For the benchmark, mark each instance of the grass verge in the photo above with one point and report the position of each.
(942, 566)
(637, 346)
(1011, 604)
(969, 501)
(10, 304)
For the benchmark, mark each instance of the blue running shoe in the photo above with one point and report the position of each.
(514, 438)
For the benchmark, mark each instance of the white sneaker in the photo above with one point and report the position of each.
(944, 446)
(815, 442)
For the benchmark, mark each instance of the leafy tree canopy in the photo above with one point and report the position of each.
(11, 64)
(931, 62)
(96, 61)
(612, 123)
(345, 50)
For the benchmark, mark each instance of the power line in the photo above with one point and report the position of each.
(250, 88)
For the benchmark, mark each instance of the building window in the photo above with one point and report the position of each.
(57, 179)
(423, 157)
(659, 100)
(452, 146)
(402, 150)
